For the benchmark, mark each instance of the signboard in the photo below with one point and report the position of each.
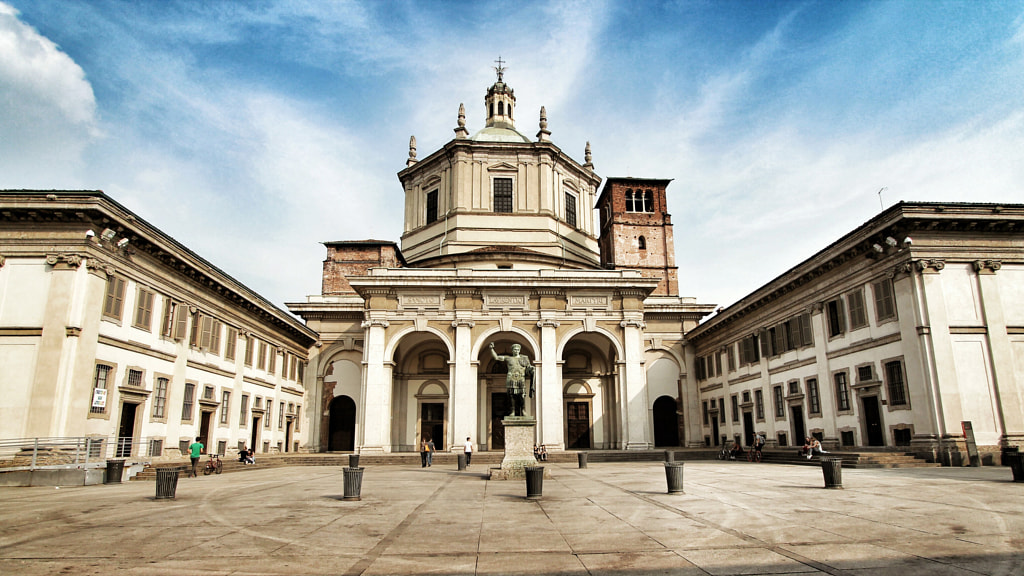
(972, 446)
(99, 398)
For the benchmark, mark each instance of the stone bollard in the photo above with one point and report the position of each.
(115, 470)
(353, 460)
(462, 461)
(167, 482)
(670, 456)
(1017, 466)
(832, 469)
(353, 483)
(674, 476)
(581, 457)
(534, 482)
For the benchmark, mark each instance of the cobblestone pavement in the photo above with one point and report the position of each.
(615, 519)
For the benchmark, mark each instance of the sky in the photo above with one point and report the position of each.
(253, 131)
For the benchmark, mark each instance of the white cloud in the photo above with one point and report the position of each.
(47, 107)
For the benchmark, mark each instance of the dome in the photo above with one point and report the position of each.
(496, 134)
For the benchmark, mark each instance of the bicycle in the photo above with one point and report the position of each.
(753, 455)
(213, 465)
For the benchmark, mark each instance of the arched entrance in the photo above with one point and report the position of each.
(666, 422)
(342, 434)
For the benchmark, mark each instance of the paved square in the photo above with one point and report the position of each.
(612, 519)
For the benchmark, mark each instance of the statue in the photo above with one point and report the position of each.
(519, 370)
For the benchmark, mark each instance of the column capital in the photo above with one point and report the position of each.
(375, 322)
(987, 266)
(64, 261)
(929, 266)
(463, 322)
(633, 323)
(548, 323)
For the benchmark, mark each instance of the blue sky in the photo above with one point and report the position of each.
(253, 131)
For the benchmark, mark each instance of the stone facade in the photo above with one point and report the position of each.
(110, 329)
(891, 337)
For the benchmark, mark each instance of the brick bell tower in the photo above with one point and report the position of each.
(636, 230)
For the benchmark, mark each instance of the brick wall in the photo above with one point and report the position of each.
(355, 259)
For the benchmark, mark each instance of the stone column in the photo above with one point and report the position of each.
(464, 396)
(375, 436)
(549, 389)
(634, 401)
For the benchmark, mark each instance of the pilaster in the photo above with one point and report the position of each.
(549, 389)
(376, 390)
(637, 435)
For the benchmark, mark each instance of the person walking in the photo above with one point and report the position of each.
(468, 447)
(430, 452)
(423, 453)
(195, 451)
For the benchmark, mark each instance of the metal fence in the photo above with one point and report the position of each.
(38, 452)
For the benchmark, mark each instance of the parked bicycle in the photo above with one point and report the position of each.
(213, 465)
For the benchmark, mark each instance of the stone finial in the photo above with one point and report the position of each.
(412, 152)
(544, 135)
(587, 157)
(461, 131)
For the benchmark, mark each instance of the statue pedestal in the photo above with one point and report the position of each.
(520, 436)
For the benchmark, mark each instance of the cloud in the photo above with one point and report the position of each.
(47, 107)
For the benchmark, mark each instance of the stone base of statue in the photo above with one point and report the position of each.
(520, 437)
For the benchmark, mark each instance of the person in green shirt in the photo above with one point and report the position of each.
(195, 449)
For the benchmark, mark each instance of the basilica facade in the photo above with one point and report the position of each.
(501, 246)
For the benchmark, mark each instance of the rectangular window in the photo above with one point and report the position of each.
(143, 310)
(298, 411)
(707, 419)
(503, 195)
(269, 414)
(187, 402)
(99, 389)
(230, 343)
(721, 410)
(243, 414)
(302, 371)
(759, 404)
(732, 358)
(780, 403)
(570, 209)
(894, 383)
(836, 320)
(180, 321)
(250, 349)
(431, 206)
(794, 388)
(718, 363)
(215, 337)
(160, 398)
(280, 417)
(272, 366)
(865, 373)
(735, 408)
(225, 405)
(842, 392)
(134, 378)
(858, 314)
(885, 304)
(261, 356)
(813, 400)
(196, 333)
(208, 393)
(114, 302)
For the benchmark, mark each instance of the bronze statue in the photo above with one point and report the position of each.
(519, 370)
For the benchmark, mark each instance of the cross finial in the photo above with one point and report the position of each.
(499, 68)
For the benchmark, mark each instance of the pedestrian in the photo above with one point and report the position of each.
(195, 450)
(543, 453)
(423, 452)
(430, 452)
(759, 441)
(469, 451)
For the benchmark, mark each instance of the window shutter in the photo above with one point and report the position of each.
(180, 321)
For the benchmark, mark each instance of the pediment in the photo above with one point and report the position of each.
(503, 167)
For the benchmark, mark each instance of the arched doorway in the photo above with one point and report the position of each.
(342, 435)
(666, 422)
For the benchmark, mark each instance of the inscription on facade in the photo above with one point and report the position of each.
(588, 301)
(505, 300)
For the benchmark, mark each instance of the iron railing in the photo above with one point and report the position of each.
(38, 452)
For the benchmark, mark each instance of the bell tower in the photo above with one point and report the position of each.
(636, 230)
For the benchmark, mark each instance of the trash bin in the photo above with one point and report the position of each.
(353, 460)
(674, 476)
(166, 482)
(832, 469)
(462, 461)
(1007, 452)
(115, 469)
(534, 482)
(353, 483)
(581, 457)
(670, 456)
